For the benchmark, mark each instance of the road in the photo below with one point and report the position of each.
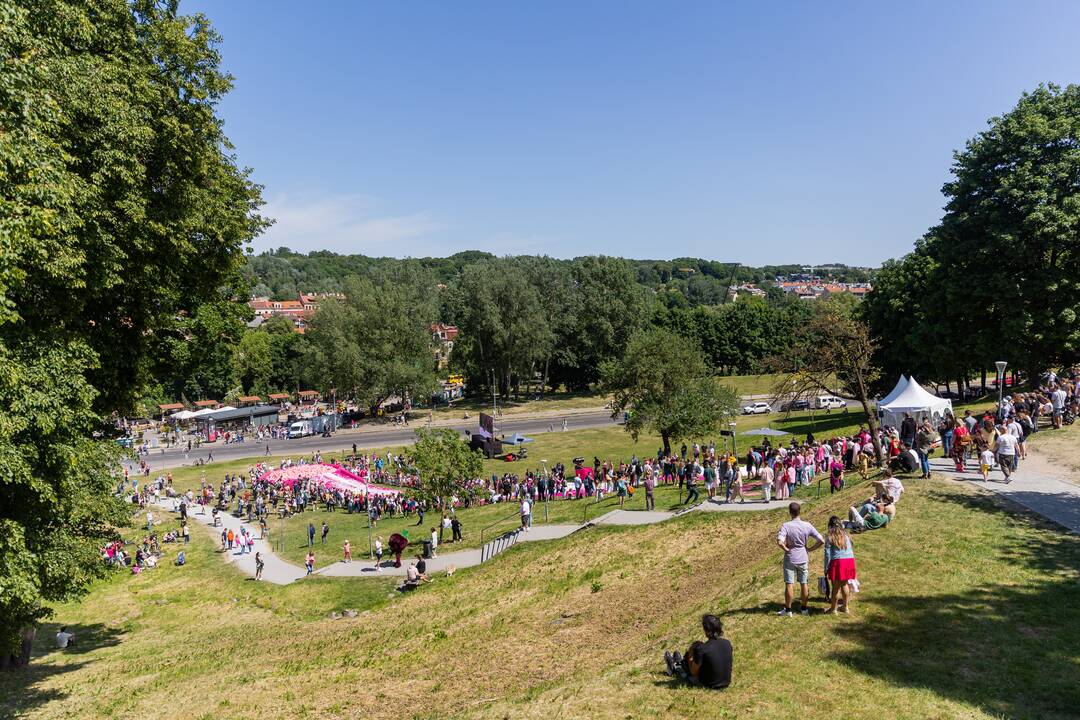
(388, 436)
(371, 437)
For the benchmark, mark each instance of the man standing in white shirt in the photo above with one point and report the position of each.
(1005, 447)
(526, 514)
(1057, 401)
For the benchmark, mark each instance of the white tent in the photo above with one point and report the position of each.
(901, 385)
(182, 415)
(913, 400)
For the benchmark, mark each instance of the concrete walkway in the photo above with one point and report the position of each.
(280, 572)
(275, 570)
(1031, 486)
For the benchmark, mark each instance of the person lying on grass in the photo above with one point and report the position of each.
(871, 516)
(706, 664)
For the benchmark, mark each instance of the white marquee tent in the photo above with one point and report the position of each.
(912, 399)
(901, 384)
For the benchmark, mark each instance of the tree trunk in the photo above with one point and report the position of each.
(667, 443)
(984, 381)
(22, 659)
(871, 420)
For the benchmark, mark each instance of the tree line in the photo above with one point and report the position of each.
(525, 323)
(999, 277)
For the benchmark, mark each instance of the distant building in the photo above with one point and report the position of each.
(444, 336)
(299, 311)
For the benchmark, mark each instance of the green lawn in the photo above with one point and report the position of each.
(560, 402)
(968, 610)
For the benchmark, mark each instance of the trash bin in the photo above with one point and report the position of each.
(427, 549)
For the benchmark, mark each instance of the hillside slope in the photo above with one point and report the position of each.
(969, 609)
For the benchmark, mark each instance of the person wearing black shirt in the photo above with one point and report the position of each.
(708, 663)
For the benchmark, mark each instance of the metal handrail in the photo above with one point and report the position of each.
(498, 544)
(497, 522)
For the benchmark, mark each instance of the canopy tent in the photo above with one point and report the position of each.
(209, 411)
(901, 385)
(183, 415)
(767, 432)
(913, 400)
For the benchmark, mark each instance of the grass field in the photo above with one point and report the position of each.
(744, 385)
(968, 610)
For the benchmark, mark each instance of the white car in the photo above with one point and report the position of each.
(830, 402)
(758, 408)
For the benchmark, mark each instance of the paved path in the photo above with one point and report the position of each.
(280, 572)
(1032, 486)
(276, 570)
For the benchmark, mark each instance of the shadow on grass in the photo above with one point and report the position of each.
(821, 424)
(21, 689)
(1010, 650)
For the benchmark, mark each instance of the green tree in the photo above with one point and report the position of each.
(446, 466)
(832, 353)
(378, 342)
(610, 308)
(121, 214)
(1006, 255)
(503, 328)
(665, 387)
(255, 361)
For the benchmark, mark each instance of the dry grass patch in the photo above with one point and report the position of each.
(574, 628)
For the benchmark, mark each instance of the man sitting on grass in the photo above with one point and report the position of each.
(707, 664)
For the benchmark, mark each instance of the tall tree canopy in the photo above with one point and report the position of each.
(446, 466)
(378, 342)
(665, 387)
(121, 214)
(999, 273)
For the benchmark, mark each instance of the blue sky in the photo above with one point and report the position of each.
(758, 133)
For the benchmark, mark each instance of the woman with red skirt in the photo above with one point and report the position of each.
(839, 563)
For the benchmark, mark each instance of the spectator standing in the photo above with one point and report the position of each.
(1006, 447)
(839, 563)
(792, 539)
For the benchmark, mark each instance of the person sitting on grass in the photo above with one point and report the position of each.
(414, 575)
(64, 639)
(706, 664)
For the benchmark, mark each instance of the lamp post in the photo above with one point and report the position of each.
(1001, 380)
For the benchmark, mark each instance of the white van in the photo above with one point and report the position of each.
(829, 402)
(301, 429)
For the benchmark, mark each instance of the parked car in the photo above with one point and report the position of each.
(795, 405)
(300, 429)
(758, 408)
(829, 402)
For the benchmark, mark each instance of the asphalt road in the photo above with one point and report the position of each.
(367, 438)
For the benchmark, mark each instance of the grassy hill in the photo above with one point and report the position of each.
(969, 610)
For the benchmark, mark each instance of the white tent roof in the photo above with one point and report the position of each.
(183, 415)
(210, 411)
(901, 385)
(915, 397)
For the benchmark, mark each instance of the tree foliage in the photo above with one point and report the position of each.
(121, 215)
(833, 353)
(378, 342)
(998, 277)
(445, 465)
(666, 388)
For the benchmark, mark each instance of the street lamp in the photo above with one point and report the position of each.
(1001, 379)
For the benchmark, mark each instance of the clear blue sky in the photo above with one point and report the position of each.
(792, 132)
